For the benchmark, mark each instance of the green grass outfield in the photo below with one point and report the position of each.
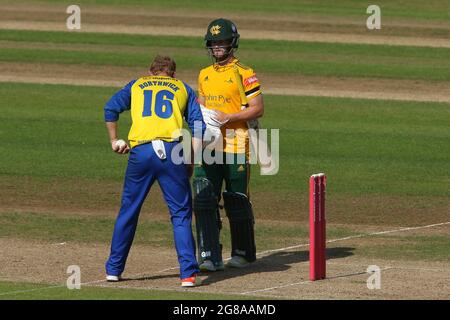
(430, 10)
(365, 146)
(265, 56)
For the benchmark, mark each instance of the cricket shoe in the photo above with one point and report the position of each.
(208, 265)
(237, 262)
(192, 281)
(111, 278)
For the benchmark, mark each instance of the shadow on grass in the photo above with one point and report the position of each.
(279, 261)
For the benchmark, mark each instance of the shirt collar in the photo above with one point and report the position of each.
(230, 64)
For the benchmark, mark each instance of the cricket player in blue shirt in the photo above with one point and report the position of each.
(158, 104)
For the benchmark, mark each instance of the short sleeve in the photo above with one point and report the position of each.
(251, 83)
(200, 84)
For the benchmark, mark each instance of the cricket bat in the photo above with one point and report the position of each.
(253, 124)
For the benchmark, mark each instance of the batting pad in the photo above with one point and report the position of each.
(207, 221)
(240, 214)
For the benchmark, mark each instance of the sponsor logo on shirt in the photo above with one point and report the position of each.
(220, 99)
(250, 80)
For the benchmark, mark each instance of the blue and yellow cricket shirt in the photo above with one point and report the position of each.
(158, 105)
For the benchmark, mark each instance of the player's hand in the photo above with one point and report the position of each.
(121, 148)
(209, 117)
(221, 117)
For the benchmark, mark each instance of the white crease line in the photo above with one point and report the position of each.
(358, 236)
(282, 249)
(278, 287)
(50, 287)
(311, 282)
(83, 283)
(391, 267)
(139, 288)
(422, 269)
(198, 289)
(412, 228)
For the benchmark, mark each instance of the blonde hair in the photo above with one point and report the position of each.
(163, 64)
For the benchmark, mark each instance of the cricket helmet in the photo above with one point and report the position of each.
(222, 29)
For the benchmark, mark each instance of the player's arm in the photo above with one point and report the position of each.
(251, 97)
(194, 119)
(118, 103)
(254, 110)
(112, 132)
